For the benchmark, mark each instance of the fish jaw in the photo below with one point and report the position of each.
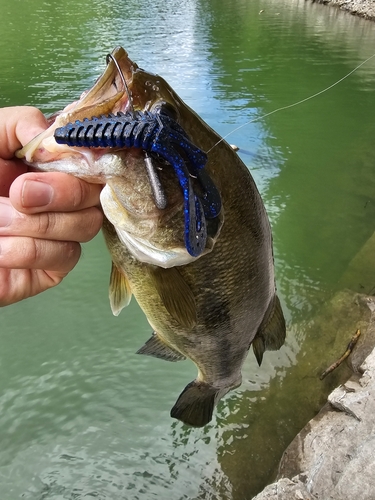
(137, 234)
(122, 87)
(143, 251)
(108, 95)
(92, 165)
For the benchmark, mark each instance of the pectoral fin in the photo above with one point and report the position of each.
(156, 347)
(119, 290)
(176, 295)
(271, 333)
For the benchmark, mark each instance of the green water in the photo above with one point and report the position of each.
(82, 416)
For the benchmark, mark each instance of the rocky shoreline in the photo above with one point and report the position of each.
(333, 457)
(362, 8)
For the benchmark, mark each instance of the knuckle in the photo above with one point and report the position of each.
(59, 256)
(93, 223)
(4, 293)
(26, 253)
(71, 249)
(67, 255)
(34, 250)
(80, 193)
(72, 252)
(46, 223)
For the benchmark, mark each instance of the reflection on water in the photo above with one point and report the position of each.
(81, 415)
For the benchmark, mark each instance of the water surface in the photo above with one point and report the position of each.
(81, 415)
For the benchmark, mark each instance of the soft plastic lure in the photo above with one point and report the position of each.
(158, 134)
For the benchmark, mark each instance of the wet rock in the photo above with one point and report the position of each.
(285, 488)
(363, 8)
(263, 422)
(333, 457)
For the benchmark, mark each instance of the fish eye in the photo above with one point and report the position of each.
(164, 108)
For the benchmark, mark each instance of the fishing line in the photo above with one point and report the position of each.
(291, 105)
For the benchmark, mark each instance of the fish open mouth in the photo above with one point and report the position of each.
(125, 109)
(110, 94)
(111, 90)
(156, 133)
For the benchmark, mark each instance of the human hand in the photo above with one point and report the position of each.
(44, 216)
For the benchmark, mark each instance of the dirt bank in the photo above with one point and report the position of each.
(363, 8)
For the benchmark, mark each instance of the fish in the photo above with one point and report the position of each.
(211, 307)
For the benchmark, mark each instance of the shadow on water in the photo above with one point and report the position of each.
(80, 414)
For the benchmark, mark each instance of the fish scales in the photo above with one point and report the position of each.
(209, 308)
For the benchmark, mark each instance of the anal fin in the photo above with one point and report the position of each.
(159, 349)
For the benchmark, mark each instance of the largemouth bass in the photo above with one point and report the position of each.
(209, 307)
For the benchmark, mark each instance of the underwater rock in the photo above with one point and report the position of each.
(360, 273)
(333, 456)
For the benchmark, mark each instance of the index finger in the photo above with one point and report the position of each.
(36, 192)
(18, 125)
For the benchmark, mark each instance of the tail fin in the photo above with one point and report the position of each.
(195, 404)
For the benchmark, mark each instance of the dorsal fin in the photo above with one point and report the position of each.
(271, 333)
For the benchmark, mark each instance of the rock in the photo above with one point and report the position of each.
(285, 488)
(363, 8)
(333, 457)
(263, 422)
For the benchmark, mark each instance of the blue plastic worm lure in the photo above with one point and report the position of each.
(160, 135)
